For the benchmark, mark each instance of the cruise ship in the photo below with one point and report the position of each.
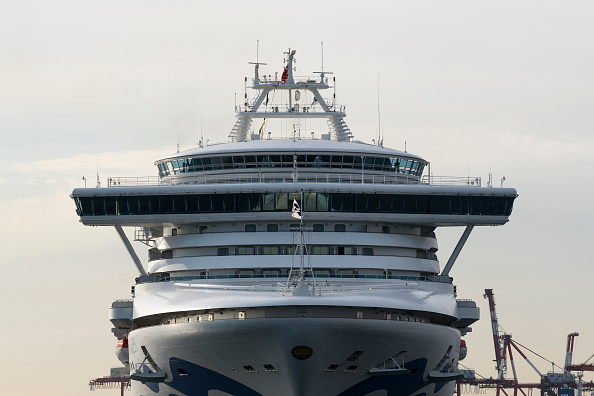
(303, 265)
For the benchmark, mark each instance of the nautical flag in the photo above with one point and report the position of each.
(296, 212)
(285, 75)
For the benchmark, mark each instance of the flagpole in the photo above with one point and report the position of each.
(301, 233)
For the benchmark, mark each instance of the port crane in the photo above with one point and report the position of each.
(562, 383)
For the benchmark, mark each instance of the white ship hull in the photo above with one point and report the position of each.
(213, 357)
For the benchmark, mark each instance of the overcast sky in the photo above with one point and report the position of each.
(472, 86)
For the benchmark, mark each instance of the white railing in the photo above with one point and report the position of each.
(268, 80)
(451, 181)
(294, 108)
(288, 178)
(133, 181)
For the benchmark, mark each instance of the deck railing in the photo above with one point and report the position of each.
(120, 181)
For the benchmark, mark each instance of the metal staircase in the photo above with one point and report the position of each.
(339, 128)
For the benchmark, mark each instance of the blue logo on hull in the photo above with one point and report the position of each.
(199, 381)
(395, 385)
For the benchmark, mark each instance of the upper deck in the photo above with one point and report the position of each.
(290, 158)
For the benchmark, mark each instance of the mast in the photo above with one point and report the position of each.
(288, 82)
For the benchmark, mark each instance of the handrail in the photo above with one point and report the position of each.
(124, 181)
(156, 278)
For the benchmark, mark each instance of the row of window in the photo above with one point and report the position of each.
(203, 229)
(282, 202)
(356, 162)
(155, 254)
(276, 273)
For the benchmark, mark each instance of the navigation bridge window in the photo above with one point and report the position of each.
(356, 162)
(279, 202)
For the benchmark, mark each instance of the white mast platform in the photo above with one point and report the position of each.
(319, 109)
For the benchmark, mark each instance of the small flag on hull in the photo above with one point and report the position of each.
(296, 212)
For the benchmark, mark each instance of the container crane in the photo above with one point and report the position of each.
(561, 383)
(569, 357)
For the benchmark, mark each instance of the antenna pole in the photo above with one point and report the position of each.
(379, 118)
(322, 57)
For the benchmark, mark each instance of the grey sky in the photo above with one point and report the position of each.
(471, 86)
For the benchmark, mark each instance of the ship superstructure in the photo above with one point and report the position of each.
(297, 266)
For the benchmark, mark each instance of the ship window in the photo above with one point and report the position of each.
(250, 161)
(281, 202)
(268, 201)
(350, 250)
(385, 205)
(321, 250)
(445, 205)
(464, 205)
(247, 250)
(339, 228)
(144, 204)
(323, 273)
(255, 202)
(373, 203)
(204, 203)
(203, 229)
(346, 272)
(291, 250)
(360, 203)
(247, 273)
(336, 161)
(488, 206)
(309, 200)
(323, 202)
(223, 251)
(239, 161)
(271, 273)
(179, 203)
(167, 254)
(477, 205)
(216, 163)
(227, 162)
(167, 204)
(270, 250)
(422, 203)
(318, 228)
(229, 203)
(287, 161)
(217, 203)
(206, 164)
(272, 227)
(250, 228)
(345, 250)
(191, 204)
(386, 229)
(367, 251)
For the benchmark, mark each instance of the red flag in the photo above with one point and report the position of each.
(285, 74)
